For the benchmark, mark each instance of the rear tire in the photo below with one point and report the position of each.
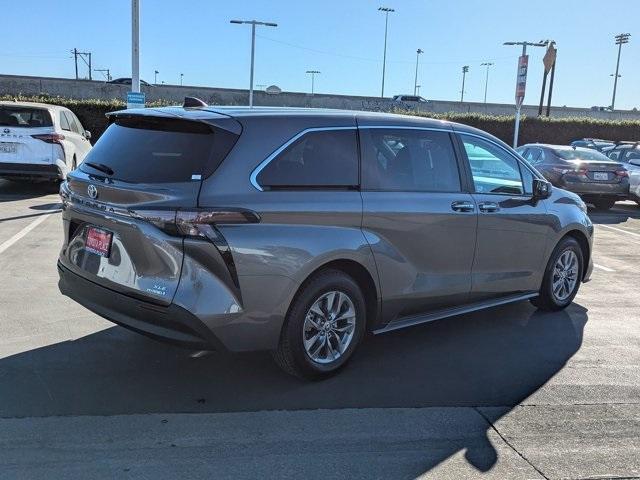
(562, 276)
(325, 323)
(604, 204)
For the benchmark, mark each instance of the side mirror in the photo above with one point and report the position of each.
(541, 189)
(87, 134)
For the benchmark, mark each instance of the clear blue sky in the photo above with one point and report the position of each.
(343, 39)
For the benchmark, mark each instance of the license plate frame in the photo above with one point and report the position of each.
(8, 148)
(601, 176)
(98, 241)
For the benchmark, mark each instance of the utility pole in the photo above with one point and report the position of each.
(135, 46)
(181, 75)
(85, 57)
(104, 71)
(418, 89)
(620, 40)
(521, 82)
(155, 77)
(313, 77)
(486, 79)
(386, 11)
(415, 82)
(465, 69)
(253, 24)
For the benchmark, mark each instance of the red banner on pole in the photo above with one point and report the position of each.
(521, 83)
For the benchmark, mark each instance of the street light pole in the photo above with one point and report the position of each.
(313, 78)
(415, 82)
(620, 40)
(523, 76)
(135, 45)
(486, 80)
(386, 11)
(181, 75)
(253, 24)
(465, 69)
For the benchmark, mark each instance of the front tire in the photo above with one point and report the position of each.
(562, 276)
(325, 324)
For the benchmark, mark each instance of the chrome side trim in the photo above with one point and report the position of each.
(407, 127)
(450, 312)
(256, 171)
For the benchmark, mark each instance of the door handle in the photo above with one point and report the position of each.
(463, 206)
(488, 207)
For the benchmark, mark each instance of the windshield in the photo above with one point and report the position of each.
(17, 116)
(581, 155)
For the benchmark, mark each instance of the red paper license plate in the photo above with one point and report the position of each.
(98, 241)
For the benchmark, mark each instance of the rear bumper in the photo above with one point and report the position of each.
(610, 190)
(171, 324)
(30, 170)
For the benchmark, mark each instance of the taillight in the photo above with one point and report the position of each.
(53, 138)
(560, 170)
(195, 223)
(621, 172)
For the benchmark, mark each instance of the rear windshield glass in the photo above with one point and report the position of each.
(11, 116)
(153, 150)
(581, 155)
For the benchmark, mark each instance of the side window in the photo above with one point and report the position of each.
(614, 154)
(632, 155)
(493, 169)
(527, 179)
(77, 122)
(408, 160)
(64, 123)
(71, 121)
(326, 158)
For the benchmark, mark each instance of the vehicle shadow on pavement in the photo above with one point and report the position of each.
(619, 214)
(12, 191)
(497, 358)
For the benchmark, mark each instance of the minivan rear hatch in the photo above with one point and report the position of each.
(120, 205)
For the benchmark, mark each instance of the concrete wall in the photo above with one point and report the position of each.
(85, 89)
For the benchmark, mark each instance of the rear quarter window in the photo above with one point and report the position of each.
(326, 158)
(159, 150)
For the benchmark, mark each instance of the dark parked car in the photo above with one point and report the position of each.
(596, 178)
(593, 143)
(127, 81)
(299, 230)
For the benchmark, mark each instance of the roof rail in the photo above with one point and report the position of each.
(193, 102)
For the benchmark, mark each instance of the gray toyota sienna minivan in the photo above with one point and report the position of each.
(298, 231)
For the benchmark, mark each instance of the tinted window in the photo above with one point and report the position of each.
(64, 123)
(408, 160)
(583, 154)
(493, 169)
(17, 116)
(327, 158)
(153, 150)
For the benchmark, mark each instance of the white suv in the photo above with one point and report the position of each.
(40, 141)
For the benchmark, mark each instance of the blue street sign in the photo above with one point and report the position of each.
(135, 100)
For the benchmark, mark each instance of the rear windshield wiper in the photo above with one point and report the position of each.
(100, 167)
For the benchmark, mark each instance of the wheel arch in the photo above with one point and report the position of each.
(585, 247)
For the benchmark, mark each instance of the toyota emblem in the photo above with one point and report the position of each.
(92, 191)
(6, 130)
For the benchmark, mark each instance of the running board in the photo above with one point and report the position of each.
(450, 312)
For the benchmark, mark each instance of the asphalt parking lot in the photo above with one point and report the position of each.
(505, 393)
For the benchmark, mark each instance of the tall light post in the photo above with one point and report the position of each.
(181, 75)
(386, 11)
(620, 40)
(486, 79)
(313, 78)
(253, 24)
(465, 69)
(135, 45)
(521, 81)
(415, 82)
(418, 89)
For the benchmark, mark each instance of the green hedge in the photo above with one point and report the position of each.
(532, 129)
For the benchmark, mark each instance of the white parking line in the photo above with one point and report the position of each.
(620, 230)
(602, 267)
(23, 232)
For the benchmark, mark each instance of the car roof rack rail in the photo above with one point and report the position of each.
(193, 102)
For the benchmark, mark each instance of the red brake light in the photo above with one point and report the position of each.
(621, 172)
(50, 137)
